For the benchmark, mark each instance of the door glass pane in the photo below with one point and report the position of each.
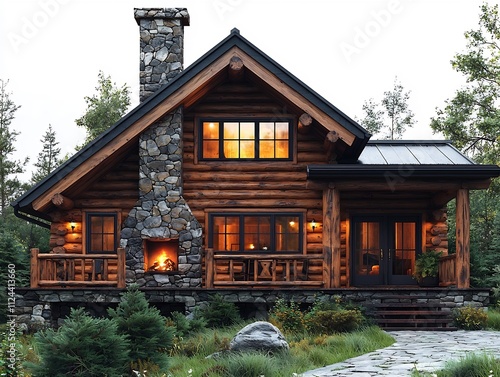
(403, 255)
(367, 248)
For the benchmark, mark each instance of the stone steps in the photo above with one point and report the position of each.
(410, 314)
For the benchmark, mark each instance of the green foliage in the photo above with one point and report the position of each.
(394, 117)
(427, 264)
(333, 321)
(250, 365)
(219, 312)
(472, 365)
(184, 326)
(470, 318)
(493, 319)
(104, 108)
(144, 326)
(48, 158)
(287, 316)
(471, 118)
(14, 264)
(83, 346)
(10, 186)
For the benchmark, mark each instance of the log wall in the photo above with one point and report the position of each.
(253, 185)
(116, 190)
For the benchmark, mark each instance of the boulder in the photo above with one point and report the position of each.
(259, 336)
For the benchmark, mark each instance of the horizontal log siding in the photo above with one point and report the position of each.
(252, 185)
(118, 189)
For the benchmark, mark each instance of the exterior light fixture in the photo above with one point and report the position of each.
(313, 225)
(73, 226)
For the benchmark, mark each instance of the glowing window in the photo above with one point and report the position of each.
(256, 232)
(246, 140)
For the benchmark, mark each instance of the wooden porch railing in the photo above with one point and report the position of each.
(77, 270)
(447, 275)
(260, 270)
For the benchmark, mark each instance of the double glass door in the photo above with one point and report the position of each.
(384, 249)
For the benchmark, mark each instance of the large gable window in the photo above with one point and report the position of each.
(280, 233)
(233, 140)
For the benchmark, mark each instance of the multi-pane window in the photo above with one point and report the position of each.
(256, 232)
(246, 139)
(101, 233)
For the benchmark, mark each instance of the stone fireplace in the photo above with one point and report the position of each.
(161, 219)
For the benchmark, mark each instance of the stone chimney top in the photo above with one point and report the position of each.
(162, 46)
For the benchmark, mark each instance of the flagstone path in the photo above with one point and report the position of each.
(424, 350)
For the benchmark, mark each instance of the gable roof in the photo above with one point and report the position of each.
(185, 88)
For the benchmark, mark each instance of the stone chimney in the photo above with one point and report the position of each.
(162, 46)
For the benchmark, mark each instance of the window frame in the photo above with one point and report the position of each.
(257, 121)
(273, 215)
(88, 230)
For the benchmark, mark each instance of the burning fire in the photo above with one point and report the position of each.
(163, 264)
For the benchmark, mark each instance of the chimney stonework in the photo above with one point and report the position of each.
(162, 46)
(161, 213)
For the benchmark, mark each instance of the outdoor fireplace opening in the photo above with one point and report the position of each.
(161, 256)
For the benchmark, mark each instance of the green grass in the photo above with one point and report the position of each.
(472, 365)
(305, 353)
(493, 319)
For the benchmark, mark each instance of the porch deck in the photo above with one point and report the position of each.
(307, 271)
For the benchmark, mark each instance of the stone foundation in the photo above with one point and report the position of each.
(36, 306)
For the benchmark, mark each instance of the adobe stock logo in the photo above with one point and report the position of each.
(363, 36)
(32, 25)
(224, 6)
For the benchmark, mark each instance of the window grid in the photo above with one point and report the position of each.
(256, 232)
(240, 139)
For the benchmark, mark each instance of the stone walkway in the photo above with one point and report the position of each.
(425, 350)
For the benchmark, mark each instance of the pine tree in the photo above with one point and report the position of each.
(48, 158)
(10, 186)
(104, 108)
(82, 347)
(145, 327)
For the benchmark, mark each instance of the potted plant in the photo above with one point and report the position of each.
(426, 268)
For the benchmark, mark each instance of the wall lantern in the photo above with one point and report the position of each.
(313, 225)
(73, 226)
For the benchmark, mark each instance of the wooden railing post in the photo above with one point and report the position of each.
(209, 266)
(463, 239)
(34, 268)
(120, 275)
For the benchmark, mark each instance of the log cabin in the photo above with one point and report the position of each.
(233, 176)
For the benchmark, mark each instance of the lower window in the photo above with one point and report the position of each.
(101, 233)
(259, 232)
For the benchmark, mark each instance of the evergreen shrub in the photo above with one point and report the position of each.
(150, 337)
(82, 347)
(219, 312)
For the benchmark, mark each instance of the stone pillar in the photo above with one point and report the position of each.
(162, 46)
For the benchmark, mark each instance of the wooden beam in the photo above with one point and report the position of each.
(34, 269)
(236, 69)
(463, 239)
(209, 268)
(120, 272)
(331, 238)
(305, 122)
(329, 144)
(62, 202)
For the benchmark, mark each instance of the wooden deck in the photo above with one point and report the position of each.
(305, 271)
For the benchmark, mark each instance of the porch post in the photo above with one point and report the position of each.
(331, 238)
(34, 268)
(462, 271)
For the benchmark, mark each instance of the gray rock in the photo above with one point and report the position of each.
(259, 336)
